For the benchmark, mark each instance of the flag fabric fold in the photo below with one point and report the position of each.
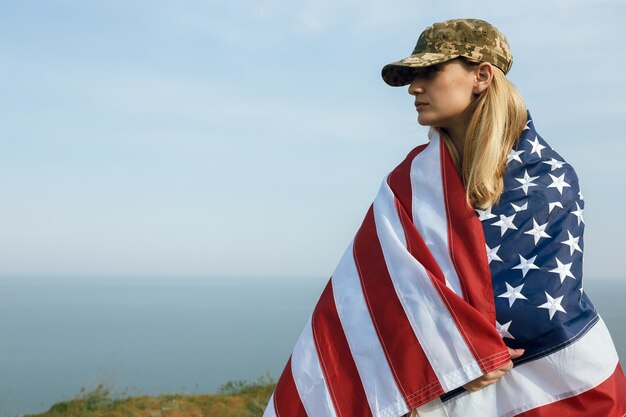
(428, 292)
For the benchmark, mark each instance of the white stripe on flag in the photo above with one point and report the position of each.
(382, 392)
(572, 370)
(308, 376)
(450, 357)
(429, 209)
(270, 411)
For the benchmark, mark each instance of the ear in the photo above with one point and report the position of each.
(483, 76)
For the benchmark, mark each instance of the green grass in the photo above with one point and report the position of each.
(234, 399)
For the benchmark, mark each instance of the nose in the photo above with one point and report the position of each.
(416, 86)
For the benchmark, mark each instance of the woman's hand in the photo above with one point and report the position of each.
(493, 376)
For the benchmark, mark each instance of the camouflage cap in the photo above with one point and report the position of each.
(443, 41)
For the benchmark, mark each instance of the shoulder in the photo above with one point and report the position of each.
(539, 175)
(399, 179)
(404, 167)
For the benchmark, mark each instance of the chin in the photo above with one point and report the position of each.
(424, 121)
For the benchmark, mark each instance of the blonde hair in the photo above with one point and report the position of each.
(494, 126)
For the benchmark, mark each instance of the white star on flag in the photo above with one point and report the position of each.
(503, 329)
(553, 305)
(485, 214)
(538, 231)
(514, 155)
(580, 194)
(527, 127)
(537, 147)
(492, 254)
(572, 242)
(554, 164)
(520, 208)
(553, 205)
(579, 213)
(563, 270)
(513, 293)
(526, 182)
(505, 223)
(558, 183)
(526, 264)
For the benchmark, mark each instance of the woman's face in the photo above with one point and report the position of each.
(443, 94)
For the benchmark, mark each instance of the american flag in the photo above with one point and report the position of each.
(430, 292)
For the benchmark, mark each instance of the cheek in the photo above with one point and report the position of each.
(460, 93)
(455, 88)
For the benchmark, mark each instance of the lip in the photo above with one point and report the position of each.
(420, 104)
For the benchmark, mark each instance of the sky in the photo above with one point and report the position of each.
(248, 138)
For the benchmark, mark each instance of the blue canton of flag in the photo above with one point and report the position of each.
(534, 237)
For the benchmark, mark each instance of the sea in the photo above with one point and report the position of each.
(62, 336)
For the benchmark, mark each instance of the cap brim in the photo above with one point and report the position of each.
(402, 72)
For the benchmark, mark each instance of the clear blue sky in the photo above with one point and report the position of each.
(247, 138)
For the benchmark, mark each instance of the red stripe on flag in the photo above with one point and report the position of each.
(340, 371)
(400, 183)
(606, 400)
(481, 336)
(286, 398)
(409, 365)
(399, 180)
(466, 241)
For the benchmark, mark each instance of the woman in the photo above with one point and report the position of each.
(432, 305)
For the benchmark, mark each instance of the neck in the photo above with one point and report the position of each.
(456, 135)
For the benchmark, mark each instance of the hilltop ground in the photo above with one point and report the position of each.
(235, 399)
